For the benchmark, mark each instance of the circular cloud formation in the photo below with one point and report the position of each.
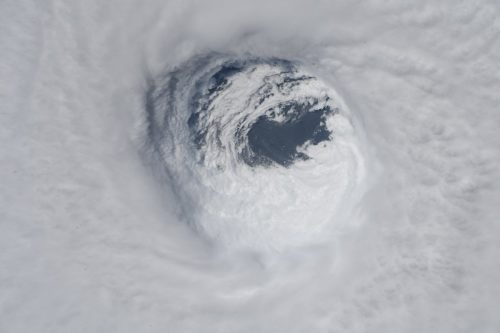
(264, 154)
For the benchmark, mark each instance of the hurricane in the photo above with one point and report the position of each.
(249, 166)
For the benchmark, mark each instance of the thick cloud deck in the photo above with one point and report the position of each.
(135, 164)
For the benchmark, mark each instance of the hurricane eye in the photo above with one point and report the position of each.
(268, 106)
(247, 139)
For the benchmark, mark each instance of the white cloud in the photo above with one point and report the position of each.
(91, 239)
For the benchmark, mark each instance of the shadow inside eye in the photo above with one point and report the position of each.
(220, 79)
(273, 141)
